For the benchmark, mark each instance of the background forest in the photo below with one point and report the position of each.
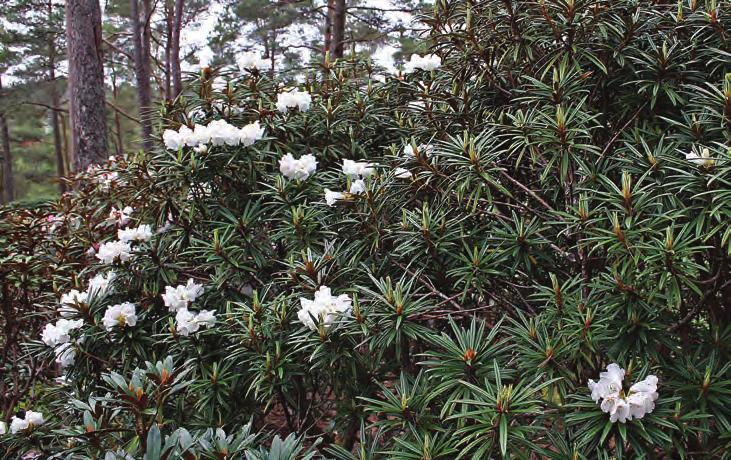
(174, 38)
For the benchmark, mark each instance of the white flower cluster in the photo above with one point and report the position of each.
(142, 234)
(178, 299)
(120, 216)
(294, 99)
(217, 132)
(122, 315)
(324, 308)
(704, 159)
(640, 399)
(356, 170)
(114, 250)
(60, 332)
(188, 322)
(121, 249)
(428, 62)
(300, 168)
(251, 60)
(99, 285)
(58, 335)
(29, 421)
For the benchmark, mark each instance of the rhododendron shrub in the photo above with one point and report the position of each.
(515, 246)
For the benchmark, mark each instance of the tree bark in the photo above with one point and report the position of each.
(175, 48)
(56, 103)
(141, 41)
(117, 121)
(338, 28)
(169, 20)
(328, 27)
(8, 194)
(86, 82)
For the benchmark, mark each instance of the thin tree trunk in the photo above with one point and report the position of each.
(117, 121)
(86, 82)
(338, 28)
(8, 180)
(65, 138)
(175, 48)
(56, 104)
(169, 13)
(141, 41)
(328, 27)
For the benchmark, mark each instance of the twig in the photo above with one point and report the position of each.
(616, 135)
(691, 314)
(431, 287)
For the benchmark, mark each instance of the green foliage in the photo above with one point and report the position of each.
(552, 224)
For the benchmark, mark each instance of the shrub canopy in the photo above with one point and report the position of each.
(553, 198)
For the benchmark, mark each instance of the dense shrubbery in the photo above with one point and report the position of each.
(553, 198)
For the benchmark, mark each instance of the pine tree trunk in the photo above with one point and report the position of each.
(328, 27)
(338, 29)
(169, 12)
(175, 48)
(56, 104)
(8, 194)
(86, 82)
(141, 41)
(117, 121)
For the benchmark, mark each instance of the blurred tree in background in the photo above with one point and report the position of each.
(174, 37)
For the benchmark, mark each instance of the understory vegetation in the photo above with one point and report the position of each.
(517, 247)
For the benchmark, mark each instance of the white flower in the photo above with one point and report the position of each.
(250, 60)
(428, 62)
(250, 134)
(172, 139)
(640, 399)
(118, 455)
(221, 132)
(188, 322)
(140, 234)
(99, 284)
(401, 173)
(331, 197)
(292, 99)
(299, 169)
(184, 323)
(31, 420)
(113, 250)
(410, 152)
(122, 314)
(71, 300)
(610, 383)
(357, 187)
(618, 410)
(217, 132)
(357, 169)
(73, 297)
(206, 318)
(120, 216)
(704, 159)
(199, 135)
(65, 355)
(324, 308)
(177, 298)
(3, 428)
(56, 334)
(17, 424)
